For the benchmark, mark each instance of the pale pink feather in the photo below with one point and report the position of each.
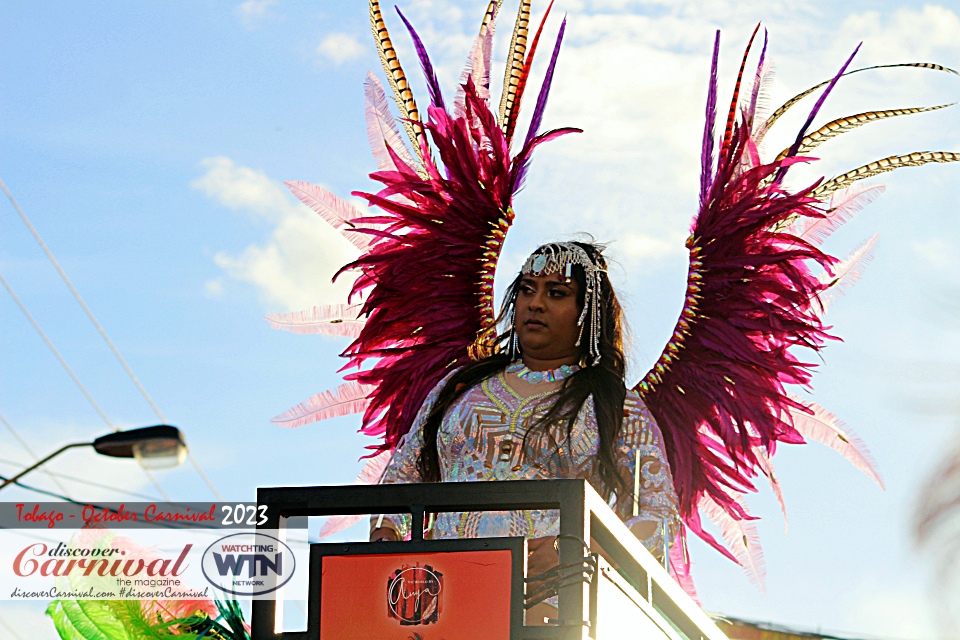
(680, 568)
(336, 211)
(741, 537)
(478, 68)
(325, 319)
(345, 400)
(841, 277)
(382, 130)
(825, 428)
(766, 466)
(370, 474)
(842, 206)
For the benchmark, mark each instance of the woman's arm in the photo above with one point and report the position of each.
(649, 506)
(402, 469)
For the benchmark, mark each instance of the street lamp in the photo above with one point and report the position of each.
(158, 447)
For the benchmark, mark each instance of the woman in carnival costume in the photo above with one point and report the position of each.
(453, 398)
(551, 402)
(703, 424)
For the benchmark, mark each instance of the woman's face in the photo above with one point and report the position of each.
(546, 317)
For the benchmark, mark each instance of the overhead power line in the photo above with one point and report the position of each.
(55, 475)
(33, 454)
(106, 338)
(83, 305)
(56, 354)
(73, 376)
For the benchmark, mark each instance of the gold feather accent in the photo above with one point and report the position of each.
(492, 9)
(882, 166)
(518, 49)
(402, 95)
(842, 125)
(797, 98)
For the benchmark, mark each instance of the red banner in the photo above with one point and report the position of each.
(456, 595)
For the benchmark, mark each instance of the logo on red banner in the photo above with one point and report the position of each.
(413, 594)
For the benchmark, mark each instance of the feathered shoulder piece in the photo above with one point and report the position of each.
(424, 289)
(757, 287)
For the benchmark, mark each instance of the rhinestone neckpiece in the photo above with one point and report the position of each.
(536, 377)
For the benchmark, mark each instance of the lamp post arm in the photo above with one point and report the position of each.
(44, 461)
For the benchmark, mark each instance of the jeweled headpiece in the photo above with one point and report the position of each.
(560, 257)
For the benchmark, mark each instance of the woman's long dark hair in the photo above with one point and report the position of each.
(605, 381)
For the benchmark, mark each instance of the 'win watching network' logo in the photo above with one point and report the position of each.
(248, 564)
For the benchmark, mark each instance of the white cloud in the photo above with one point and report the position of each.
(340, 48)
(213, 288)
(252, 13)
(930, 33)
(293, 267)
(242, 188)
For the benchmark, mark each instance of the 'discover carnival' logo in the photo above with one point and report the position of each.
(413, 594)
(248, 564)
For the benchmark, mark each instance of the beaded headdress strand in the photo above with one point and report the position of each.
(560, 257)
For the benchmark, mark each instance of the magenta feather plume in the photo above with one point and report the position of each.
(427, 275)
(680, 567)
(541, 107)
(718, 391)
(740, 535)
(433, 85)
(706, 154)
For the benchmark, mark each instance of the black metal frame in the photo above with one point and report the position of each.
(583, 516)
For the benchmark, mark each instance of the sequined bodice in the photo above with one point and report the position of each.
(493, 433)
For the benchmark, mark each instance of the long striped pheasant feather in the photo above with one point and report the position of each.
(735, 101)
(877, 167)
(410, 115)
(842, 125)
(511, 123)
(515, 58)
(776, 115)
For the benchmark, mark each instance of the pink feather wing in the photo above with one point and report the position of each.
(382, 131)
(842, 206)
(370, 474)
(814, 422)
(741, 537)
(327, 319)
(841, 277)
(337, 212)
(347, 399)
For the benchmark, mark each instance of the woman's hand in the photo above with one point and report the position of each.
(384, 534)
(541, 555)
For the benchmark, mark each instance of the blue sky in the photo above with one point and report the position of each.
(148, 144)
